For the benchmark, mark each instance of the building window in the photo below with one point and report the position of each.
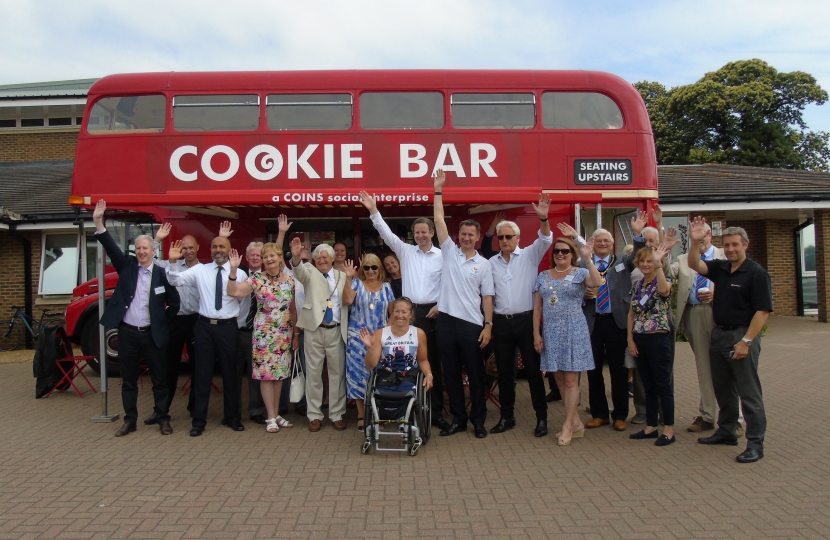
(8, 123)
(60, 122)
(401, 110)
(31, 122)
(494, 111)
(58, 263)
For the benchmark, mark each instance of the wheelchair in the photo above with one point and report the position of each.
(396, 417)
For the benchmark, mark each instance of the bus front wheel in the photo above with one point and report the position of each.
(89, 346)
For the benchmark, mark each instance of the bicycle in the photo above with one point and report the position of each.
(11, 334)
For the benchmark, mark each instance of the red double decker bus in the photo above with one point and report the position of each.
(199, 148)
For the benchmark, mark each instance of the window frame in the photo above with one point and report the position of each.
(359, 123)
(55, 232)
(351, 104)
(544, 127)
(173, 105)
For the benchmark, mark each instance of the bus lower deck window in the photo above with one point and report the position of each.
(218, 112)
(401, 110)
(309, 111)
(118, 114)
(494, 111)
(580, 110)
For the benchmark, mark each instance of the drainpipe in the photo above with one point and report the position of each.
(27, 276)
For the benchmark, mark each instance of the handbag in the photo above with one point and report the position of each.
(297, 380)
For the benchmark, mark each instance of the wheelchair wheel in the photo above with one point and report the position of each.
(369, 425)
(424, 411)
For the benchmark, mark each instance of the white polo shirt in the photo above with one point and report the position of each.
(463, 282)
(513, 281)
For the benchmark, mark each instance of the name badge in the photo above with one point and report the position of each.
(507, 277)
(159, 289)
(643, 300)
(620, 267)
(569, 277)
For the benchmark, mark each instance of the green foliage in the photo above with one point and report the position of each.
(745, 113)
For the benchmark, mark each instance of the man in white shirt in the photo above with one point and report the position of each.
(217, 333)
(514, 274)
(421, 267)
(461, 331)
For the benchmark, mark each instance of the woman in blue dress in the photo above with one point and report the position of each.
(370, 297)
(562, 339)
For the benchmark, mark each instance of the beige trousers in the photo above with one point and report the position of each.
(697, 327)
(322, 344)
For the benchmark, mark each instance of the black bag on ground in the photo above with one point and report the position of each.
(50, 349)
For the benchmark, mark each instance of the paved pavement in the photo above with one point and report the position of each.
(64, 477)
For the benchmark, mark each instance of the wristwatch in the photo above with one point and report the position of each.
(488, 323)
(747, 341)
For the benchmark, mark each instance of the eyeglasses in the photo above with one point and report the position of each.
(372, 267)
(506, 236)
(562, 251)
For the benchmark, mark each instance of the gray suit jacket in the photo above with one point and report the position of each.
(619, 286)
(317, 294)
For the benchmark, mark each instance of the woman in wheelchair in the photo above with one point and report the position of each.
(398, 351)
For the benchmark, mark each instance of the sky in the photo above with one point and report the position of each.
(671, 42)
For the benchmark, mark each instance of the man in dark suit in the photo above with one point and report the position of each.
(140, 307)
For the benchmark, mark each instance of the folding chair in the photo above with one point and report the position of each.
(70, 367)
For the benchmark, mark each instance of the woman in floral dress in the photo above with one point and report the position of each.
(370, 298)
(563, 340)
(274, 336)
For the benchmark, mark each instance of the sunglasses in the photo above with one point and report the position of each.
(372, 267)
(562, 251)
(506, 237)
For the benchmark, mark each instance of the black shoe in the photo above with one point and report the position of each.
(541, 428)
(152, 419)
(480, 431)
(452, 429)
(195, 432)
(440, 423)
(260, 418)
(662, 440)
(750, 455)
(718, 439)
(503, 425)
(553, 395)
(643, 435)
(235, 425)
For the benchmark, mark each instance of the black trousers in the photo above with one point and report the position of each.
(733, 379)
(458, 348)
(216, 343)
(437, 393)
(508, 334)
(133, 346)
(654, 364)
(608, 343)
(181, 335)
(256, 405)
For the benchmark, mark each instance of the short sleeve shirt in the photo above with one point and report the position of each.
(739, 294)
(463, 282)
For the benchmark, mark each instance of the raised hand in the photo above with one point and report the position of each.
(367, 337)
(657, 214)
(98, 213)
(368, 202)
(351, 271)
(543, 207)
(438, 180)
(296, 248)
(697, 229)
(163, 231)
(671, 238)
(639, 222)
(498, 218)
(567, 230)
(225, 229)
(660, 252)
(284, 224)
(586, 249)
(235, 259)
(175, 252)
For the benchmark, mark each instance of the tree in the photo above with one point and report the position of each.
(745, 113)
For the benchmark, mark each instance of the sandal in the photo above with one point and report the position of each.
(360, 425)
(282, 422)
(271, 425)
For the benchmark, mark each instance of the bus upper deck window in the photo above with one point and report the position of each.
(497, 111)
(580, 110)
(127, 114)
(218, 112)
(401, 110)
(309, 111)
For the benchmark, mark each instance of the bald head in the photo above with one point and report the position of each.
(190, 250)
(220, 247)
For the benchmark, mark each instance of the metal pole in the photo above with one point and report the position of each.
(102, 345)
(599, 216)
(578, 218)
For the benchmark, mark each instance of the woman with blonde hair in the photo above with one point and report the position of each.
(370, 297)
(274, 336)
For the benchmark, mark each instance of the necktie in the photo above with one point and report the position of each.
(218, 301)
(603, 295)
(329, 316)
(249, 320)
(700, 281)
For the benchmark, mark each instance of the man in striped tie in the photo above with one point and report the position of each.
(693, 317)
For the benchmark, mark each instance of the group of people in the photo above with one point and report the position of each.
(443, 306)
